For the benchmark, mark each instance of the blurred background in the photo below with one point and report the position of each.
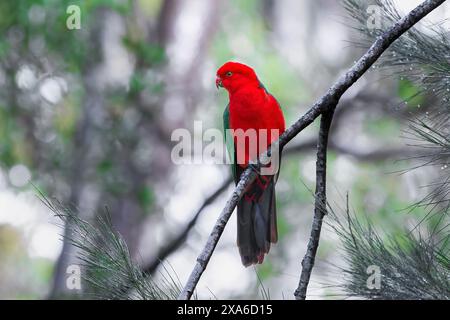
(86, 116)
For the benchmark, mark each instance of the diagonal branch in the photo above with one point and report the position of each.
(326, 103)
(320, 208)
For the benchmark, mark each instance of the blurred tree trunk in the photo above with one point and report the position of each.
(82, 145)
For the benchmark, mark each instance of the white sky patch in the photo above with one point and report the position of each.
(36, 223)
(236, 278)
(308, 169)
(117, 66)
(195, 181)
(19, 175)
(26, 77)
(345, 170)
(15, 211)
(291, 19)
(52, 89)
(187, 30)
(332, 35)
(436, 16)
(45, 241)
(174, 108)
(242, 46)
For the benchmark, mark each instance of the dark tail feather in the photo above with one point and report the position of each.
(256, 225)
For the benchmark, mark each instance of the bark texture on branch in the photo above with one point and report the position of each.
(326, 103)
(320, 206)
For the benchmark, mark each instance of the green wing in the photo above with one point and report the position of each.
(229, 141)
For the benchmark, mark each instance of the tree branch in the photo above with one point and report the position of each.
(326, 103)
(320, 207)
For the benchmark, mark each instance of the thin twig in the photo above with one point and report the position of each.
(325, 103)
(320, 207)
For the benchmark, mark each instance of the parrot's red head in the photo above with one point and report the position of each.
(234, 75)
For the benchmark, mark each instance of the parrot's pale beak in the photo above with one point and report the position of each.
(219, 83)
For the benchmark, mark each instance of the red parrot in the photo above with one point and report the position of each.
(251, 109)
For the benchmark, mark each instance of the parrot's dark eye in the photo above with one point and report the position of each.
(229, 74)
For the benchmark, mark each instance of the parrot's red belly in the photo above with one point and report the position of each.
(256, 120)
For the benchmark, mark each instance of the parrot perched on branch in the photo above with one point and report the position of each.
(252, 109)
